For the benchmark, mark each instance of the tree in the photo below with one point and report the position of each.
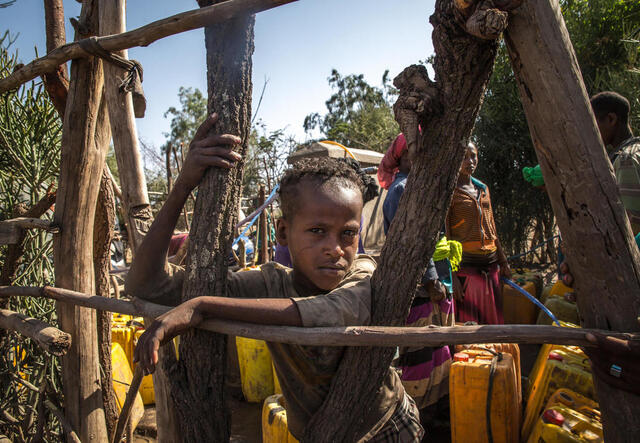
(359, 115)
(602, 34)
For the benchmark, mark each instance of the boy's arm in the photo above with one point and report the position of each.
(204, 151)
(265, 311)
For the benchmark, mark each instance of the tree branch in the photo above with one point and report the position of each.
(143, 36)
(51, 339)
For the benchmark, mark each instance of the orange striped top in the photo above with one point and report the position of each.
(470, 221)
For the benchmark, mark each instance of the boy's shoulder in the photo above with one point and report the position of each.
(363, 264)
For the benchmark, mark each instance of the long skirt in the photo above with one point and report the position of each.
(482, 301)
(425, 370)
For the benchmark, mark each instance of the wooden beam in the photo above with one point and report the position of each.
(379, 336)
(128, 404)
(51, 339)
(142, 36)
(596, 233)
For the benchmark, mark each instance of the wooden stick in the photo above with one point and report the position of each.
(337, 336)
(66, 426)
(48, 338)
(11, 230)
(128, 404)
(143, 36)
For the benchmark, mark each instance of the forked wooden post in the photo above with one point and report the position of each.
(596, 233)
(123, 130)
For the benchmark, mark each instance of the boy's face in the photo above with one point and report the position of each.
(322, 235)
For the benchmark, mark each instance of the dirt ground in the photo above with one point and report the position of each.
(246, 426)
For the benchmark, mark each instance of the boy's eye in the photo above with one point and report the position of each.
(350, 233)
(316, 230)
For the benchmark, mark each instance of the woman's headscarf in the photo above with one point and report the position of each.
(391, 161)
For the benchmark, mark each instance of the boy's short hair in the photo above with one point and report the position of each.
(317, 170)
(606, 102)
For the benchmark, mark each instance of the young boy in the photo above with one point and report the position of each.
(328, 285)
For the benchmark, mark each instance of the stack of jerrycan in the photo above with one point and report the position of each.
(274, 421)
(568, 417)
(516, 308)
(125, 331)
(256, 369)
(483, 396)
(561, 300)
(556, 367)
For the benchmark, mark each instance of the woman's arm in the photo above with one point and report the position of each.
(204, 151)
(266, 311)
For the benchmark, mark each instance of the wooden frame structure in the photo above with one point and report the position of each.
(465, 35)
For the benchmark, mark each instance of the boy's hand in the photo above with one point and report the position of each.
(206, 151)
(163, 329)
(567, 277)
(617, 362)
(436, 290)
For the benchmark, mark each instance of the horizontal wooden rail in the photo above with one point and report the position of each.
(46, 336)
(142, 36)
(336, 336)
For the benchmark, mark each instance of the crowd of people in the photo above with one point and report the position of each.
(327, 282)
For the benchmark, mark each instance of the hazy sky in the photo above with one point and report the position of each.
(296, 46)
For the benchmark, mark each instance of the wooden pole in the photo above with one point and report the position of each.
(51, 339)
(596, 233)
(123, 420)
(388, 336)
(202, 355)
(144, 36)
(123, 130)
(262, 233)
(81, 165)
(56, 81)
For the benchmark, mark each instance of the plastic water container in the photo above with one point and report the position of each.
(561, 424)
(518, 309)
(509, 348)
(468, 396)
(575, 401)
(563, 307)
(122, 376)
(562, 369)
(256, 369)
(274, 421)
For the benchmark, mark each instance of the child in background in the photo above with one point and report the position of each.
(328, 285)
(476, 285)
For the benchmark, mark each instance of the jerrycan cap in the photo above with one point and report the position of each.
(555, 356)
(460, 356)
(553, 417)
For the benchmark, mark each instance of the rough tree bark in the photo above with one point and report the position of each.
(198, 377)
(582, 189)
(102, 235)
(123, 130)
(82, 161)
(56, 82)
(446, 111)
